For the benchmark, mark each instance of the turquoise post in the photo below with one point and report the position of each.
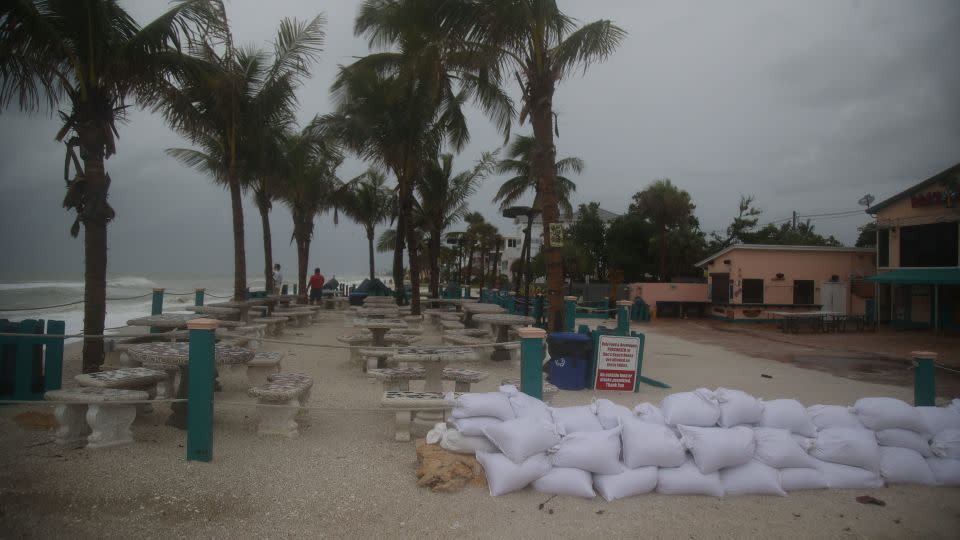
(467, 292)
(294, 289)
(156, 307)
(198, 297)
(623, 318)
(531, 361)
(924, 381)
(23, 374)
(511, 302)
(495, 293)
(538, 311)
(570, 317)
(200, 390)
(53, 357)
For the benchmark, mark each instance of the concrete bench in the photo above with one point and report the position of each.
(299, 317)
(102, 423)
(455, 338)
(375, 357)
(406, 403)
(413, 321)
(512, 348)
(398, 378)
(549, 390)
(131, 378)
(289, 389)
(433, 316)
(262, 366)
(275, 325)
(450, 316)
(450, 325)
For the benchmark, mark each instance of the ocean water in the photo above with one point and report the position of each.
(128, 297)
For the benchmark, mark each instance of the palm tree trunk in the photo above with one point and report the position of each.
(398, 256)
(267, 245)
(239, 253)
(414, 268)
(302, 234)
(482, 266)
(541, 101)
(469, 268)
(94, 218)
(434, 255)
(370, 236)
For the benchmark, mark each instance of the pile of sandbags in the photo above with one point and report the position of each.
(722, 442)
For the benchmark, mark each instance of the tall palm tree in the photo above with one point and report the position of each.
(442, 201)
(94, 57)
(544, 45)
(519, 163)
(474, 221)
(369, 202)
(233, 94)
(309, 187)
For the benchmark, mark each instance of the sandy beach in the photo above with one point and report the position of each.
(345, 476)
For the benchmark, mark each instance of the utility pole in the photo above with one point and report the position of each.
(794, 220)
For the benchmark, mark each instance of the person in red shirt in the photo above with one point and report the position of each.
(316, 286)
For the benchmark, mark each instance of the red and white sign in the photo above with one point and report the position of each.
(617, 363)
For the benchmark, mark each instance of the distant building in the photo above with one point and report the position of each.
(749, 281)
(918, 254)
(536, 233)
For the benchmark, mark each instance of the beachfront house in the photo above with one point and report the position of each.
(750, 282)
(918, 254)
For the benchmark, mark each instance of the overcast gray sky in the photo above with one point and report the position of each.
(806, 105)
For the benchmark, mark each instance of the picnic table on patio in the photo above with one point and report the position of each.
(245, 305)
(469, 310)
(166, 321)
(433, 360)
(379, 328)
(216, 311)
(791, 321)
(379, 312)
(166, 355)
(457, 303)
(501, 323)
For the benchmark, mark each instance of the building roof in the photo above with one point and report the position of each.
(952, 172)
(774, 247)
(606, 216)
(918, 276)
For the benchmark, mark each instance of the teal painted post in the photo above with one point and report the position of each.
(583, 329)
(623, 318)
(156, 308)
(531, 361)
(496, 297)
(198, 297)
(570, 317)
(23, 377)
(294, 289)
(538, 311)
(53, 357)
(924, 380)
(511, 303)
(200, 390)
(643, 343)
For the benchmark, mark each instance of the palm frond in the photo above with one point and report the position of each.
(590, 43)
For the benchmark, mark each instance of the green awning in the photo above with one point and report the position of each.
(918, 276)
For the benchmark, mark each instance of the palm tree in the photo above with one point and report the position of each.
(369, 202)
(544, 46)
(234, 95)
(309, 187)
(442, 202)
(667, 208)
(474, 221)
(519, 163)
(94, 57)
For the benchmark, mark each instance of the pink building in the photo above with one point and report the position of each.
(748, 281)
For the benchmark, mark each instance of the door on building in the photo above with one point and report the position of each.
(833, 296)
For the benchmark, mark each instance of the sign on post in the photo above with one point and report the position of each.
(556, 235)
(617, 364)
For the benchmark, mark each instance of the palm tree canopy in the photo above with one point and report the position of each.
(308, 182)
(442, 196)
(368, 200)
(519, 164)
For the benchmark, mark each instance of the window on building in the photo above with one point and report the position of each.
(803, 291)
(883, 247)
(511, 242)
(929, 245)
(752, 291)
(720, 292)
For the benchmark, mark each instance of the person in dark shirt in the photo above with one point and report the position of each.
(316, 286)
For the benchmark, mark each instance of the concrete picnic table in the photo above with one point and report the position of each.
(791, 319)
(379, 328)
(220, 311)
(469, 310)
(165, 355)
(501, 323)
(245, 305)
(379, 312)
(166, 321)
(433, 360)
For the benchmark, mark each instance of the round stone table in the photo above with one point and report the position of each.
(166, 355)
(167, 321)
(433, 360)
(501, 323)
(379, 328)
(469, 310)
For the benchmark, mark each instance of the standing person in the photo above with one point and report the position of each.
(316, 286)
(277, 279)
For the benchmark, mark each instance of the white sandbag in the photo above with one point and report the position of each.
(459, 443)
(904, 438)
(688, 480)
(504, 476)
(521, 438)
(574, 419)
(945, 471)
(803, 442)
(738, 408)
(777, 448)
(751, 478)
(697, 408)
(828, 416)
(494, 404)
(525, 405)
(650, 413)
(787, 414)
(846, 446)
(904, 466)
(716, 448)
(646, 444)
(946, 444)
(802, 479)
(879, 413)
(609, 413)
(628, 483)
(593, 451)
(937, 419)
(846, 477)
(566, 481)
(473, 426)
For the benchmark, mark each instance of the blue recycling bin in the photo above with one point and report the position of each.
(570, 358)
